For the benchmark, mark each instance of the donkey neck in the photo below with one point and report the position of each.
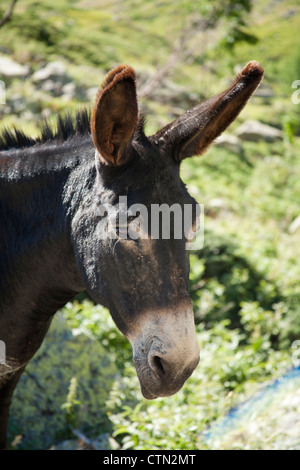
(36, 257)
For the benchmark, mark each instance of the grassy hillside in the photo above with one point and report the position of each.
(92, 37)
(245, 281)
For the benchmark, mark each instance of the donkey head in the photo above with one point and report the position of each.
(140, 276)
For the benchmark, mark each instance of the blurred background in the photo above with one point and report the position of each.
(81, 390)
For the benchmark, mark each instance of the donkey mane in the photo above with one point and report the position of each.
(66, 127)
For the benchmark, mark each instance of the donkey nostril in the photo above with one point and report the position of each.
(156, 364)
(159, 364)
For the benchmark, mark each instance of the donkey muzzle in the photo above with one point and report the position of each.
(165, 351)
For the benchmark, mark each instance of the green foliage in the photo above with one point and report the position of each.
(95, 321)
(70, 370)
(229, 368)
(70, 407)
(107, 33)
(226, 280)
(216, 9)
(233, 362)
(291, 124)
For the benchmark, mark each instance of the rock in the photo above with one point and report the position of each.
(51, 86)
(54, 79)
(269, 420)
(17, 103)
(91, 93)
(68, 91)
(11, 69)
(229, 142)
(51, 78)
(255, 131)
(20, 104)
(37, 412)
(53, 71)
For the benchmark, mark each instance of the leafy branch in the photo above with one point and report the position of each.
(8, 13)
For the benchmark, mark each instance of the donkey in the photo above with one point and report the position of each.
(56, 240)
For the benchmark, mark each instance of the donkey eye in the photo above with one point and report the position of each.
(124, 223)
(130, 218)
(121, 227)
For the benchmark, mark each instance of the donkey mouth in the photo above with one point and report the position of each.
(153, 386)
(159, 377)
(149, 395)
(165, 350)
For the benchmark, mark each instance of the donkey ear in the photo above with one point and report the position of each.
(115, 115)
(194, 131)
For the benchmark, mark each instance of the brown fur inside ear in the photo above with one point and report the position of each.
(115, 115)
(109, 78)
(224, 108)
(193, 132)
